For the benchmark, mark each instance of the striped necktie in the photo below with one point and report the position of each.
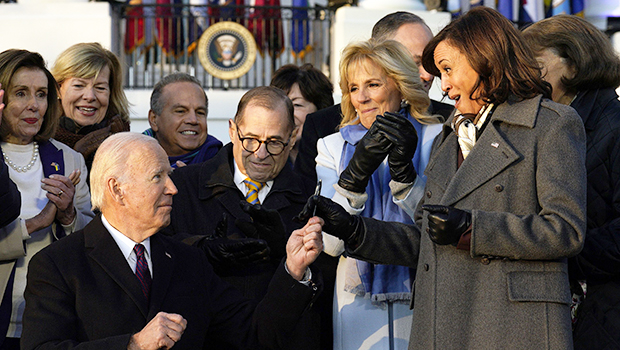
(142, 270)
(253, 188)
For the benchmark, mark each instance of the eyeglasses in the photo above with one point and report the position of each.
(251, 144)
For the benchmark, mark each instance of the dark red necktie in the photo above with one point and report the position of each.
(142, 270)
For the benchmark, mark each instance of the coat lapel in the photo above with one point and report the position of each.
(443, 162)
(105, 251)
(489, 157)
(163, 267)
(52, 159)
(492, 153)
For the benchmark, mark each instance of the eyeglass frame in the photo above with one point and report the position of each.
(260, 142)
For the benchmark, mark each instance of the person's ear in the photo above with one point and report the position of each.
(232, 130)
(113, 187)
(153, 120)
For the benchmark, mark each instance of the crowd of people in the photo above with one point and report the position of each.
(361, 225)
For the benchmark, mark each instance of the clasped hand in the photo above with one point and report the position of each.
(60, 192)
(392, 136)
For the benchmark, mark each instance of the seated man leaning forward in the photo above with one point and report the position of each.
(119, 284)
(178, 119)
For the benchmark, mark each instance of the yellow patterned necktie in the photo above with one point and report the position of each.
(253, 188)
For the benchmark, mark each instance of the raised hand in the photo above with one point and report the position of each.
(60, 191)
(303, 247)
(404, 137)
(1, 104)
(370, 151)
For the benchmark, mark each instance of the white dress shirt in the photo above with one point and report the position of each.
(239, 177)
(126, 245)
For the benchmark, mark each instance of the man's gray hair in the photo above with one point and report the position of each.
(387, 26)
(157, 105)
(111, 161)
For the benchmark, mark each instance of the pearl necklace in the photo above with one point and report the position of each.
(23, 169)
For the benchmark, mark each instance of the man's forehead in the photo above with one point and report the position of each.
(256, 114)
(182, 88)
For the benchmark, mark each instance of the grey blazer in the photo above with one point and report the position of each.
(525, 184)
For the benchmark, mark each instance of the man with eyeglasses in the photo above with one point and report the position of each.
(238, 206)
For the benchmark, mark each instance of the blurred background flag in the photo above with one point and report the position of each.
(531, 11)
(300, 29)
(134, 26)
(509, 8)
(169, 26)
(228, 10)
(197, 23)
(454, 7)
(265, 24)
(577, 7)
(560, 7)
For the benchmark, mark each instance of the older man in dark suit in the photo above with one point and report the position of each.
(238, 206)
(119, 284)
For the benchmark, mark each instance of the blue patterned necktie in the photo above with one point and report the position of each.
(142, 270)
(253, 189)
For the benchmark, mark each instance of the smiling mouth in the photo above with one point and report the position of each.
(189, 132)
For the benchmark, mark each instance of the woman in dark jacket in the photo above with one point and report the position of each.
(581, 65)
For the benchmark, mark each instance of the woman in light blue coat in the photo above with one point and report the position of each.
(382, 95)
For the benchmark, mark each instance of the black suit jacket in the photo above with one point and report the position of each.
(207, 191)
(9, 196)
(82, 294)
(325, 122)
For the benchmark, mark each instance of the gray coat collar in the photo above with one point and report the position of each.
(492, 154)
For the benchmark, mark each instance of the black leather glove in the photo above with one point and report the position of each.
(267, 225)
(446, 224)
(370, 151)
(225, 253)
(338, 222)
(404, 137)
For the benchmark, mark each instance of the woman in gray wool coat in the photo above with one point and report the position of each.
(504, 204)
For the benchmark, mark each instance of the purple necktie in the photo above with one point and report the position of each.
(142, 270)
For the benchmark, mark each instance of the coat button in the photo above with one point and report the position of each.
(429, 194)
(426, 267)
(485, 261)
(499, 188)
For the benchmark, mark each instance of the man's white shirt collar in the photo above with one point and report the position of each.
(239, 177)
(126, 245)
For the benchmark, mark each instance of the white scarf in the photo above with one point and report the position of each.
(466, 129)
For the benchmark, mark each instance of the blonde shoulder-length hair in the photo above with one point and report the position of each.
(85, 61)
(397, 64)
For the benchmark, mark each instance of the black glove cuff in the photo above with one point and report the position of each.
(403, 173)
(353, 183)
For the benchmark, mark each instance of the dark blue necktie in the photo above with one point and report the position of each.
(142, 270)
